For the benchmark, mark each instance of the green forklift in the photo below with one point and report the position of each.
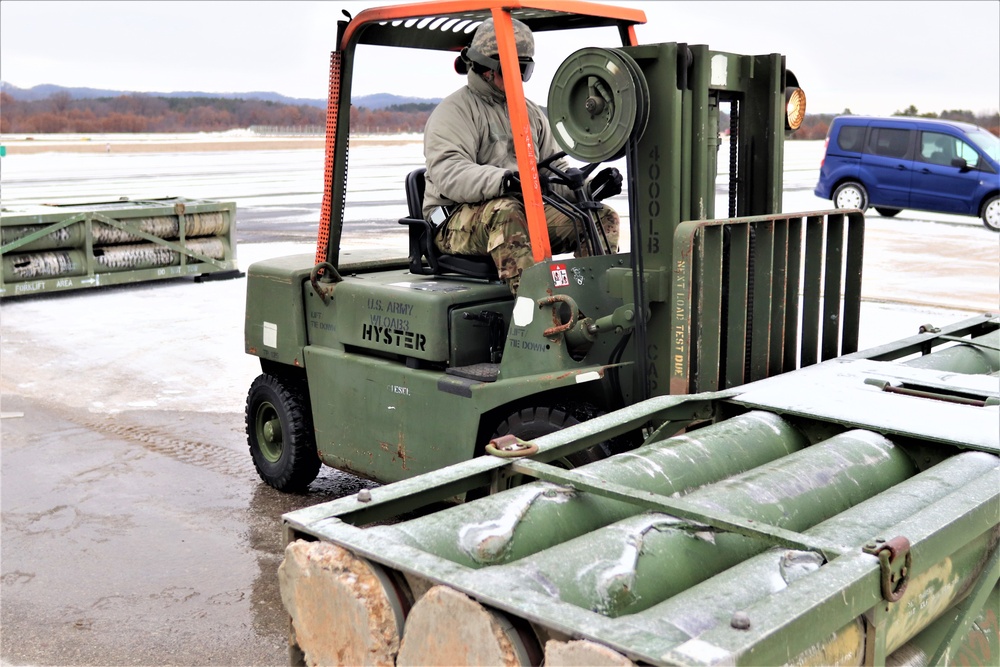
(393, 368)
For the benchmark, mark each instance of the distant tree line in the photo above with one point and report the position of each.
(394, 119)
(60, 113)
(816, 126)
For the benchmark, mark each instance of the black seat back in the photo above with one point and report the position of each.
(415, 192)
(422, 234)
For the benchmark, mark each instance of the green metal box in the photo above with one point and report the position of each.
(53, 247)
(395, 313)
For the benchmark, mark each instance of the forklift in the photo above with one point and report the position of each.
(392, 368)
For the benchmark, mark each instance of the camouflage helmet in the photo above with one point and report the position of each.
(483, 50)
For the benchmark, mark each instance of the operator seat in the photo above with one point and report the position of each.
(422, 246)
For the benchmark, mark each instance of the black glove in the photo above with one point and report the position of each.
(607, 183)
(511, 184)
(543, 180)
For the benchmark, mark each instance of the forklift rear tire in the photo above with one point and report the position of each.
(280, 434)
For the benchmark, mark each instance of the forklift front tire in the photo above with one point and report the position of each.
(280, 435)
(534, 422)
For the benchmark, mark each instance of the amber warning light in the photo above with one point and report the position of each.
(795, 108)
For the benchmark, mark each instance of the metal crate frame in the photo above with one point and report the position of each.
(50, 219)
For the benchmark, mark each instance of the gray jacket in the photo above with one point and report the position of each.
(468, 145)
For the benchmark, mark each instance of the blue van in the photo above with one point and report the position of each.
(917, 163)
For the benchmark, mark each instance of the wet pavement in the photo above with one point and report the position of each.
(133, 527)
(142, 538)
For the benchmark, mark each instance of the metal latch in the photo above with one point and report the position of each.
(509, 447)
(895, 562)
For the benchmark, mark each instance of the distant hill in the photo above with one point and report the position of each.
(45, 90)
(383, 100)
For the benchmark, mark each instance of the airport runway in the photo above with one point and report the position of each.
(134, 528)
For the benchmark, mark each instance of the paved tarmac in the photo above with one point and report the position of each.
(140, 539)
(134, 529)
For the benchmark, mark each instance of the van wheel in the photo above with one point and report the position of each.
(851, 195)
(887, 212)
(991, 213)
(280, 434)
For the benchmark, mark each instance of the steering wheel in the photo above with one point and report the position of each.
(573, 177)
(583, 210)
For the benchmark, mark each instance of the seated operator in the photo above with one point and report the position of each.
(472, 167)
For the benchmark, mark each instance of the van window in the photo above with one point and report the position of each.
(988, 143)
(969, 153)
(851, 138)
(889, 142)
(938, 148)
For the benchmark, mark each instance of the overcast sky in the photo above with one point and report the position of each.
(869, 57)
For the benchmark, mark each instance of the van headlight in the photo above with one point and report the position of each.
(795, 108)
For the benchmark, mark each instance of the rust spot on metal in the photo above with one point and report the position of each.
(895, 575)
(558, 326)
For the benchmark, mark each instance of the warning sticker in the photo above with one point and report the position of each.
(560, 278)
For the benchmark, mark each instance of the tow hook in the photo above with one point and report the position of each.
(324, 285)
(510, 447)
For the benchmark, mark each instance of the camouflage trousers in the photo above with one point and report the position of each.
(499, 228)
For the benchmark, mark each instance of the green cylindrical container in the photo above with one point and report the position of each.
(212, 223)
(151, 255)
(968, 359)
(71, 236)
(713, 602)
(20, 267)
(524, 520)
(641, 561)
(979, 646)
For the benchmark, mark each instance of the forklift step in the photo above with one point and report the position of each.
(482, 372)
